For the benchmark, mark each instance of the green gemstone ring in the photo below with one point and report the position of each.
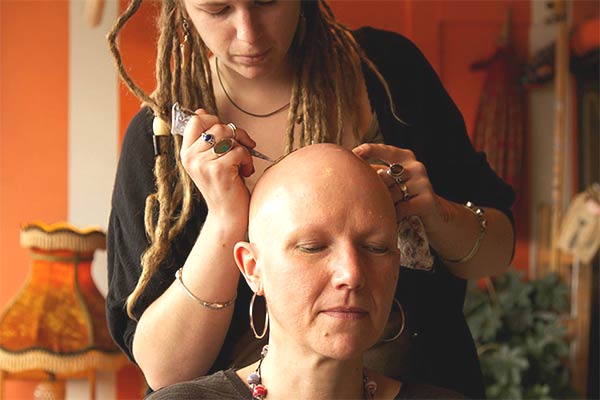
(223, 146)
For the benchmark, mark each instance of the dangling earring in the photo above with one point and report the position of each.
(184, 47)
(397, 335)
(264, 332)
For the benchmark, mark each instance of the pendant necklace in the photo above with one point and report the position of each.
(259, 391)
(240, 108)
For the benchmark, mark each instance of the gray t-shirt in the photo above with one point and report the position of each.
(226, 385)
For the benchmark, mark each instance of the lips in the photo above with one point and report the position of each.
(346, 313)
(250, 59)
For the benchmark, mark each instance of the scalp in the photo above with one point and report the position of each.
(325, 172)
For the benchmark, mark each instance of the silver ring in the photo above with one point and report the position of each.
(223, 146)
(233, 128)
(404, 190)
(395, 171)
(208, 138)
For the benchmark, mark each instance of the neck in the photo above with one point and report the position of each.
(259, 94)
(293, 373)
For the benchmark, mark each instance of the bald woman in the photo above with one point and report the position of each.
(322, 251)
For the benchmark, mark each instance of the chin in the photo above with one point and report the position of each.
(260, 69)
(254, 71)
(345, 347)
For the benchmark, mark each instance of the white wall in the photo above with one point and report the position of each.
(93, 143)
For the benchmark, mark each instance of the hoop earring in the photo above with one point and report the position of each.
(264, 332)
(397, 335)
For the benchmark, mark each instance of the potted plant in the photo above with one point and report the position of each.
(521, 339)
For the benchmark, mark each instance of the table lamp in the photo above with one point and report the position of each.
(55, 327)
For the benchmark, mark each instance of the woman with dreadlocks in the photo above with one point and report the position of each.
(274, 76)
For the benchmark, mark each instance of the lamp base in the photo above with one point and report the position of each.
(50, 390)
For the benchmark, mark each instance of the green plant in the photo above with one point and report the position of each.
(521, 341)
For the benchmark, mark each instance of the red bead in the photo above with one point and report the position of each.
(371, 387)
(259, 391)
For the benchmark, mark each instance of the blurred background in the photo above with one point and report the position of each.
(523, 73)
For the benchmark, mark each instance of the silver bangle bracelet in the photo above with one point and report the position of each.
(207, 304)
(482, 231)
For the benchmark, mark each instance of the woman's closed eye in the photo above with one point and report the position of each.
(216, 11)
(376, 248)
(311, 248)
(219, 10)
(213, 8)
(264, 2)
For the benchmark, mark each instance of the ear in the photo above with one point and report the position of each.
(246, 258)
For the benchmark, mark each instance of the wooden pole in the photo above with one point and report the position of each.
(92, 379)
(561, 73)
(1, 384)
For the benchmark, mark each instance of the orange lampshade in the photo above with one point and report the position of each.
(56, 323)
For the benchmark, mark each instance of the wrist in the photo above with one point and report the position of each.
(228, 223)
(446, 213)
(482, 223)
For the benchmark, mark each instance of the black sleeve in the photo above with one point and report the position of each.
(433, 127)
(126, 233)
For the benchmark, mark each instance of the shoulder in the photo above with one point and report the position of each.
(386, 48)
(369, 37)
(413, 390)
(136, 160)
(220, 385)
(409, 75)
(137, 150)
(139, 129)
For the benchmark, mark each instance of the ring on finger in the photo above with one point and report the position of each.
(233, 128)
(404, 190)
(223, 146)
(208, 138)
(395, 171)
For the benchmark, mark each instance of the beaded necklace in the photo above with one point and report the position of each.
(259, 391)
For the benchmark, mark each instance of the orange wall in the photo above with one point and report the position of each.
(33, 133)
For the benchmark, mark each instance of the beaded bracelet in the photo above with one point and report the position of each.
(482, 231)
(207, 304)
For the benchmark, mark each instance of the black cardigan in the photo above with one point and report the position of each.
(441, 346)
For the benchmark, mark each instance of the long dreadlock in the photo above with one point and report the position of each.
(325, 84)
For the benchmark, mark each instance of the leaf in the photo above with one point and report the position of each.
(549, 293)
(484, 323)
(521, 340)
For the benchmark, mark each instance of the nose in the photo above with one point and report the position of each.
(348, 272)
(248, 27)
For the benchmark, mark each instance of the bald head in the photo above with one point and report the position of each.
(318, 179)
(323, 238)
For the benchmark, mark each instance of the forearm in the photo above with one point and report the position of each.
(177, 338)
(455, 235)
